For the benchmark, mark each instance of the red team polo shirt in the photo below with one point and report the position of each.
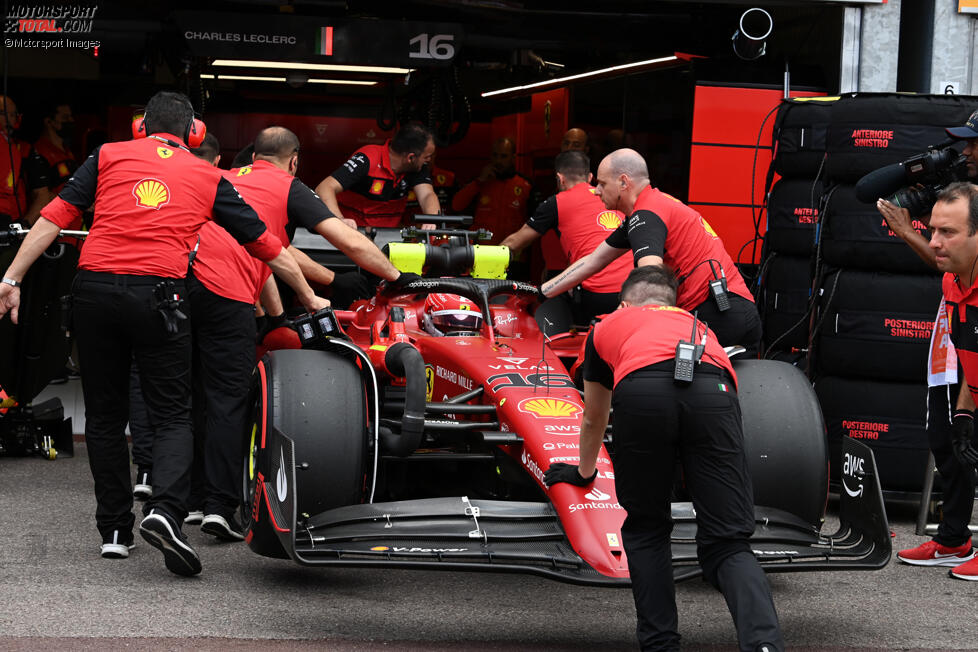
(632, 338)
(373, 195)
(500, 204)
(151, 198)
(581, 220)
(962, 316)
(61, 162)
(661, 225)
(221, 264)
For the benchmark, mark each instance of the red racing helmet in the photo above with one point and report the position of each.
(450, 313)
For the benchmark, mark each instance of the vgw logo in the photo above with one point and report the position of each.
(852, 467)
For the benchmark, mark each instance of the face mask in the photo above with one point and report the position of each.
(66, 132)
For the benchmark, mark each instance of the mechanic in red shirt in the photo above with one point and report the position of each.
(582, 222)
(54, 145)
(954, 241)
(444, 185)
(151, 197)
(497, 198)
(24, 177)
(224, 284)
(372, 186)
(661, 229)
(630, 365)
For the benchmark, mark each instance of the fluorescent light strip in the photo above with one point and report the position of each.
(347, 82)
(289, 65)
(583, 75)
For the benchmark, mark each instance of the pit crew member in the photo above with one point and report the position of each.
(54, 145)
(223, 286)
(582, 222)
(151, 196)
(630, 364)
(371, 187)
(497, 198)
(661, 229)
(24, 178)
(954, 241)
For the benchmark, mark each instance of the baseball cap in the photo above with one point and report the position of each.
(969, 130)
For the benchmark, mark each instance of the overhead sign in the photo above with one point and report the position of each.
(968, 6)
(319, 39)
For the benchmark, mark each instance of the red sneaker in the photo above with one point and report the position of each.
(966, 571)
(934, 554)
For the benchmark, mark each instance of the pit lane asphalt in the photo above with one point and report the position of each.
(58, 594)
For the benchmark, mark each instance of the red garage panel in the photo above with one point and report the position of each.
(726, 123)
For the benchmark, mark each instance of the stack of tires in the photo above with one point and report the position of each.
(876, 299)
(793, 206)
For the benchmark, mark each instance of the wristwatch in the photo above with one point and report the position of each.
(10, 281)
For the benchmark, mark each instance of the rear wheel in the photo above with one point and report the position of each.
(784, 438)
(316, 399)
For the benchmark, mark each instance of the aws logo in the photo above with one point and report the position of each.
(554, 408)
(151, 193)
(609, 220)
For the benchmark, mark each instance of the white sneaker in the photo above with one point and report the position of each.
(194, 518)
(113, 548)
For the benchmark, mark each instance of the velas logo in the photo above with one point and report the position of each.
(243, 171)
(163, 152)
(377, 187)
(151, 193)
(555, 408)
(609, 220)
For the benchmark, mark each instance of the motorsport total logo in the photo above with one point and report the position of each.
(48, 25)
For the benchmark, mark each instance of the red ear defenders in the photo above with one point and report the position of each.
(194, 135)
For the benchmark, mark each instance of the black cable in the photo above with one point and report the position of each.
(756, 217)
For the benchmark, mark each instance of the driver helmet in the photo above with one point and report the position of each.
(451, 314)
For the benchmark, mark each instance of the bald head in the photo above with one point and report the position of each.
(575, 140)
(628, 162)
(278, 146)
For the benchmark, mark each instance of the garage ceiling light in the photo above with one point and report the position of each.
(348, 82)
(325, 67)
(637, 66)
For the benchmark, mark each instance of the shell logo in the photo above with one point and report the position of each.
(164, 152)
(708, 228)
(556, 408)
(151, 193)
(377, 187)
(609, 220)
(245, 170)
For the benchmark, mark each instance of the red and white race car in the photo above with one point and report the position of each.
(385, 443)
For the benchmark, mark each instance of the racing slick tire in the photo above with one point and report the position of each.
(316, 399)
(784, 438)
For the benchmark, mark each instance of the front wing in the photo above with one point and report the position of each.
(456, 533)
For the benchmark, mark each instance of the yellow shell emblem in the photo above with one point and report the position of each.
(708, 228)
(245, 170)
(151, 193)
(164, 152)
(556, 408)
(609, 220)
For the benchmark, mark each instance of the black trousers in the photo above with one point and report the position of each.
(740, 325)
(958, 480)
(114, 324)
(139, 428)
(224, 358)
(592, 304)
(656, 419)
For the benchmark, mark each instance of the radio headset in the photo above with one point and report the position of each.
(688, 354)
(193, 134)
(718, 286)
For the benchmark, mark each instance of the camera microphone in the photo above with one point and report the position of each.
(881, 183)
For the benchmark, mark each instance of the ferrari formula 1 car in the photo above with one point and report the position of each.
(383, 444)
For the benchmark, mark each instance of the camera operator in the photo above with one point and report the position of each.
(224, 284)
(151, 196)
(951, 546)
(661, 229)
(631, 361)
(899, 219)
